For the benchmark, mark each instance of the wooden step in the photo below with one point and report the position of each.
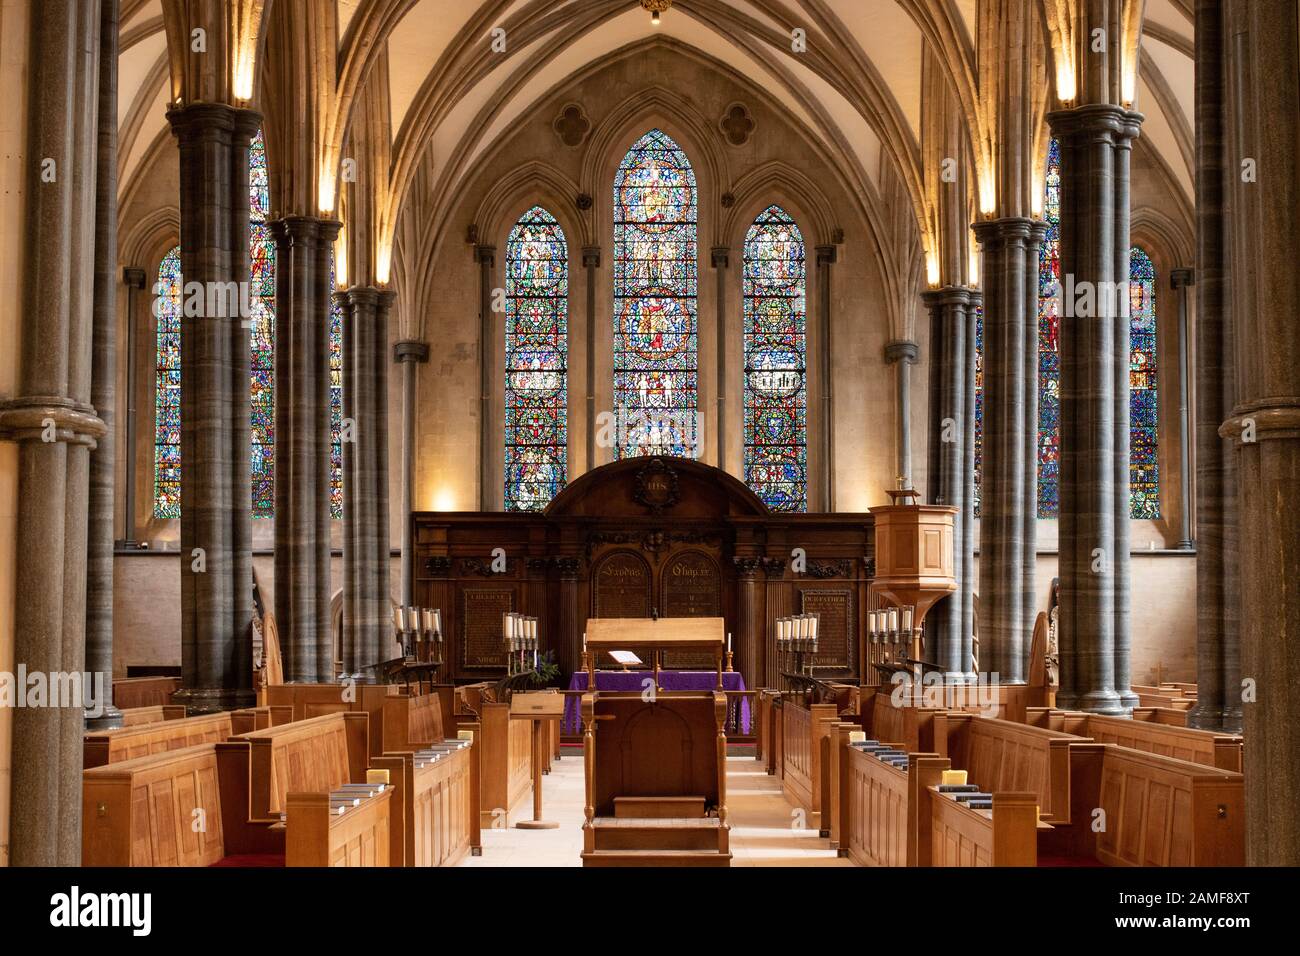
(660, 833)
(628, 858)
(643, 807)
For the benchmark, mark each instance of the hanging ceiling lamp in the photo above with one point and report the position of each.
(656, 7)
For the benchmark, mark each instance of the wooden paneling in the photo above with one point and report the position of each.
(1145, 732)
(159, 810)
(316, 755)
(1003, 836)
(802, 762)
(877, 811)
(132, 692)
(110, 746)
(506, 763)
(139, 716)
(317, 837)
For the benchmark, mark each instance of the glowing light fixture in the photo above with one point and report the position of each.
(655, 7)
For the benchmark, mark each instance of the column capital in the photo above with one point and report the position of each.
(1179, 278)
(485, 255)
(410, 350)
(198, 119)
(33, 417)
(903, 351)
(947, 295)
(720, 256)
(1095, 120)
(993, 233)
(1253, 422)
(133, 278)
(826, 255)
(591, 257)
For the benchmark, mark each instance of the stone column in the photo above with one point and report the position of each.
(749, 621)
(1179, 280)
(408, 354)
(368, 628)
(216, 536)
(1263, 49)
(351, 561)
(1094, 335)
(51, 420)
(99, 571)
(951, 420)
(134, 280)
(1218, 595)
(903, 355)
(720, 257)
(486, 256)
(1029, 516)
(302, 532)
(1006, 541)
(590, 263)
(826, 256)
(967, 555)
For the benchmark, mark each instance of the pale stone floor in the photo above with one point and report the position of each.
(763, 823)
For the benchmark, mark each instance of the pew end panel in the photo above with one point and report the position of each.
(1004, 836)
(315, 836)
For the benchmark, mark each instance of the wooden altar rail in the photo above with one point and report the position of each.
(1145, 731)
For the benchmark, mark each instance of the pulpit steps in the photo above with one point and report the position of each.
(659, 841)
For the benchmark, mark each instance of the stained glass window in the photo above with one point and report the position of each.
(776, 396)
(655, 285)
(261, 296)
(1144, 469)
(979, 402)
(537, 346)
(1144, 478)
(167, 389)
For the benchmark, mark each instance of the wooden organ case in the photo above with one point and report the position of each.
(641, 536)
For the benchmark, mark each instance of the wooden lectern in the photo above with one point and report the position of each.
(638, 634)
(539, 707)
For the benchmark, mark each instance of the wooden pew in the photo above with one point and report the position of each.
(910, 726)
(132, 692)
(1005, 756)
(803, 730)
(409, 721)
(166, 810)
(962, 836)
(315, 757)
(431, 825)
(258, 718)
(505, 764)
(1158, 811)
(314, 700)
(1145, 731)
(139, 716)
(109, 746)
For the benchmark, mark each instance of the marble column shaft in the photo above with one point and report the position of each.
(302, 491)
(55, 427)
(1218, 662)
(951, 421)
(99, 570)
(1007, 540)
(408, 354)
(1094, 349)
(1262, 39)
(366, 544)
(216, 534)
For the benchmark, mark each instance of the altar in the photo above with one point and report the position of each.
(670, 680)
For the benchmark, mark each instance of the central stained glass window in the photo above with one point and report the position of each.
(537, 348)
(776, 396)
(655, 288)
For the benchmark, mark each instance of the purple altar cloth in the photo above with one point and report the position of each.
(669, 680)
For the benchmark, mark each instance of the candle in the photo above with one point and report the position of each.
(893, 619)
(814, 628)
(728, 642)
(907, 619)
(437, 620)
(399, 617)
(584, 642)
(412, 619)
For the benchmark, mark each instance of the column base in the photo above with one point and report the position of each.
(109, 718)
(1105, 702)
(1205, 716)
(213, 700)
(1128, 700)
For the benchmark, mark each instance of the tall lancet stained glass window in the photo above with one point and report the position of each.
(336, 400)
(261, 301)
(537, 329)
(655, 287)
(776, 396)
(1049, 356)
(1144, 469)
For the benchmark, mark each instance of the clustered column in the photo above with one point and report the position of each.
(1009, 267)
(1263, 102)
(52, 421)
(103, 392)
(302, 492)
(952, 422)
(367, 600)
(216, 496)
(1094, 347)
(1218, 649)
(903, 355)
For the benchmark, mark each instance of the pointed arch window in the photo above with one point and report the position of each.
(167, 380)
(775, 336)
(537, 337)
(655, 287)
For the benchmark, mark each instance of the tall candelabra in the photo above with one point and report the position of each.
(893, 634)
(796, 643)
(519, 634)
